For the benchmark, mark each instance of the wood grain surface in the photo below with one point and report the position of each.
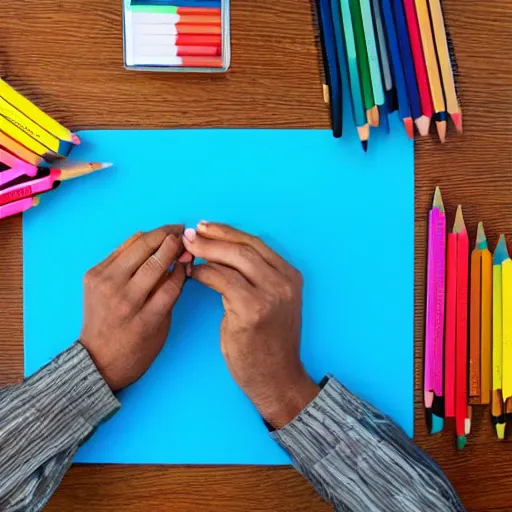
(66, 55)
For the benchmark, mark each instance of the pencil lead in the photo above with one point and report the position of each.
(457, 121)
(501, 251)
(441, 130)
(461, 442)
(481, 239)
(458, 225)
(438, 200)
(364, 135)
(75, 139)
(437, 424)
(365, 145)
(409, 127)
(500, 430)
(423, 125)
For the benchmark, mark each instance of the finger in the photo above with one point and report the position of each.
(133, 257)
(109, 259)
(149, 274)
(224, 280)
(239, 256)
(226, 233)
(166, 293)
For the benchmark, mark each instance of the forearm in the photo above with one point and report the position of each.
(359, 460)
(43, 422)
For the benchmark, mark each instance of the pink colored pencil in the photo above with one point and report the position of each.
(420, 66)
(434, 323)
(20, 206)
(451, 326)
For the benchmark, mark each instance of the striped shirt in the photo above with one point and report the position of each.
(355, 457)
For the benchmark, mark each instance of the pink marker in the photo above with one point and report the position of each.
(18, 207)
(16, 169)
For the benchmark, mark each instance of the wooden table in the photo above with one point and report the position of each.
(67, 57)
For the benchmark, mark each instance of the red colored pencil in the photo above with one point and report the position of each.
(461, 340)
(451, 327)
(198, 11)
(197, 29)
(200, 20)
(197, 40)
(420, 66)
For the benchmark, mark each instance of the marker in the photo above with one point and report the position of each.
(45, 183)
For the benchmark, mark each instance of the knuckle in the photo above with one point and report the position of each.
(151, 266)
(91, 277)
(297, 277)
(258, 311)
(171, 244)
(246, 252)
(124, 306)
(287, 291)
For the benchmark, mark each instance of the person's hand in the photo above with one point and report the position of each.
(128, 300)
(261, 329)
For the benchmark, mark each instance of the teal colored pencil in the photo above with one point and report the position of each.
(372, 52)
(358, 109)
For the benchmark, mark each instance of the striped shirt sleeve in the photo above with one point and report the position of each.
(359, 460)
(43, 421)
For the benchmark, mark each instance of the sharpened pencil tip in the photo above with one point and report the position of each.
(75, 139)
(459, 226)
(481, 239)
(437, 424)
(438, 200)
(461, 442)
(457, 121)
(501, 251)
(441, 130)
(409, 127)
(500, 430)
(423, 125)
(364, 143)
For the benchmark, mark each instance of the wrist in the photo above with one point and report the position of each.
(287, 399)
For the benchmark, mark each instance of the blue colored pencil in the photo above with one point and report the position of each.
(331, 66)
(383, 116)
(407, 60)
(396, 64)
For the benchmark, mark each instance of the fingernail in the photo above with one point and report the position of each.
(190, 234)
(186, 257)
(202, 225)
(188, 269)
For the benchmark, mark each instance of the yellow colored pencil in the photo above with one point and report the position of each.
(443, 54)
(434, 80)
(506, 318)
(34, 113)
(20, 151)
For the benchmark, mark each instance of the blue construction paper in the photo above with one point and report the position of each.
(343, 217)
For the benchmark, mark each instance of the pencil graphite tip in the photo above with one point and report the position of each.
(500, 430)
(481, 239)
(409, 127)
(459, 226)
(364, 143)
(461, 442)
(75, 139)
(501, 252)
(437, 424)
(423, 125)
(99, 166)
(438, 200)
(364, 135)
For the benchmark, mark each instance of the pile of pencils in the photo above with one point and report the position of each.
(33, 149)
(394, 55)
(466, 367)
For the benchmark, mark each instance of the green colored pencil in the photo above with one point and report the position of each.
(372, 51)
(362, 56)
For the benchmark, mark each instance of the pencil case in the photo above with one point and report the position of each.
(177, 35)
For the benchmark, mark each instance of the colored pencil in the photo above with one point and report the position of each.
(383, 47)
(8, 210)
(372, 52)
(480, 320)
(175, 19)
(347, 59)
(497, 406)
(407, 61)
(46, 180)
(506, 318)
(180, 40)
(181, 12)
(396, 64)
(141, 27)
(175, 51)
(196, 4)
(27, 109)
(434, 79)
(461, 338)
(443, 55)
(423, 122)
(434, 321)
(20, 151)
(188, 62)
(332, 80)
(362, 57)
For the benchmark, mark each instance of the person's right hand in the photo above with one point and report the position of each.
(261, 329)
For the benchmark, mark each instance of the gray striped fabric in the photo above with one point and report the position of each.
(43, 422)
(359, 460)
(356, 458)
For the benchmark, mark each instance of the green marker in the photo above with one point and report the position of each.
(362, 56)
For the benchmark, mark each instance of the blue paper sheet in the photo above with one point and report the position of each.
(343, 217)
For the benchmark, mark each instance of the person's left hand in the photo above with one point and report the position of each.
(128, 299)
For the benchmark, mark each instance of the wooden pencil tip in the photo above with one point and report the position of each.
(438, 200)
(457, 121)
(423, 125)
(36, 200)
(459, 226)
(501, 251)
(409, 127)
(441, 130)
(75, 139)
(481, 239)
(372, 116)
